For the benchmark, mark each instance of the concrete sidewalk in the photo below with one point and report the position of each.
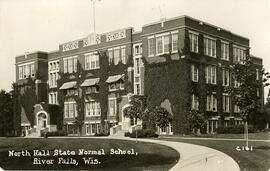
(196, 157)
(192, 157)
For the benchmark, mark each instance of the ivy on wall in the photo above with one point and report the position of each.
(102, 73)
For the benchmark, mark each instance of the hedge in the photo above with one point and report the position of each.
(236, 129)
(142, 133)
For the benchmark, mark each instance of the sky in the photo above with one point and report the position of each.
(32, 25)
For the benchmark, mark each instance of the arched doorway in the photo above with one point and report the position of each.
(42, 120)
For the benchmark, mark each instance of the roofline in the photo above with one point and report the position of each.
(98, 34)
(186, 16)
(255, 57)
(28, 53)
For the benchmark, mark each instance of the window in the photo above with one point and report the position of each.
(92, 89)
(70, 64)
(226, 103)
(116, 86)
(236, 109)
(239, 54)
(110, 54)
(236, 83)
(71, 92)
(53, 98)
(70, 109)
(137, 49)
(210, 73)
(112, 107)
(209, 46)
(137, 88)
(193, 39)
(257, 74)
(211, 102)
(123, 54)
(137, 65)
(194, 73)
(151, 47)
(194, 102)
(174, 42)
(225, 77)
(92, 108)
(26, 70)
(166, 43)
(116, 56)
(225, 50)
(159, 45)
(91, 61)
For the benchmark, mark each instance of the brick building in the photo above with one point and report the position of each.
(180, 63)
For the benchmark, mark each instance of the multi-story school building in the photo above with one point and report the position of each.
(180, 63)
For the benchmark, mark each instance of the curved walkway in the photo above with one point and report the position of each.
(192, 157)
(195, 157)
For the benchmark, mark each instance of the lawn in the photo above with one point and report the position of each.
(258, 159)
(149, 156)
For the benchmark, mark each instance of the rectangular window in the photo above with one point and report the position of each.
(193, 39)
(166, 43)
(174, 42)
(257, 74)
(194, 73)
(123, 54)
(194, 102)
(110, 54)
(32, 71)
(137, 65)
(70, 64)
(138, 89)
(116, 56)
(236, 109)
(92, 89)
(151, 47)
(209, 47)
(116, 86)
(239, 54)
(93, 128)
(92, 108)
(225, 51)
(226, 103)
(70, 109)
(225, 77)
(159, 45)
(91, 61)
(112, 107)
(210, 74)
(211, 102)
(20, 72)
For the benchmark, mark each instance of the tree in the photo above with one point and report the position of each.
(156, 116)
(6, 113)
(136, 108)
(196, 120)
(245, 94)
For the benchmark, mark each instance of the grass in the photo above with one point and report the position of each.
(150, 156)
(257, 160)
(254, 136)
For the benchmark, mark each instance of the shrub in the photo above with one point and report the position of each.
(54, 133)
(142, 133)
(235, 129)
(127, 134)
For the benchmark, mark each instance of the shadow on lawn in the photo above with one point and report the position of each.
(263, 147)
